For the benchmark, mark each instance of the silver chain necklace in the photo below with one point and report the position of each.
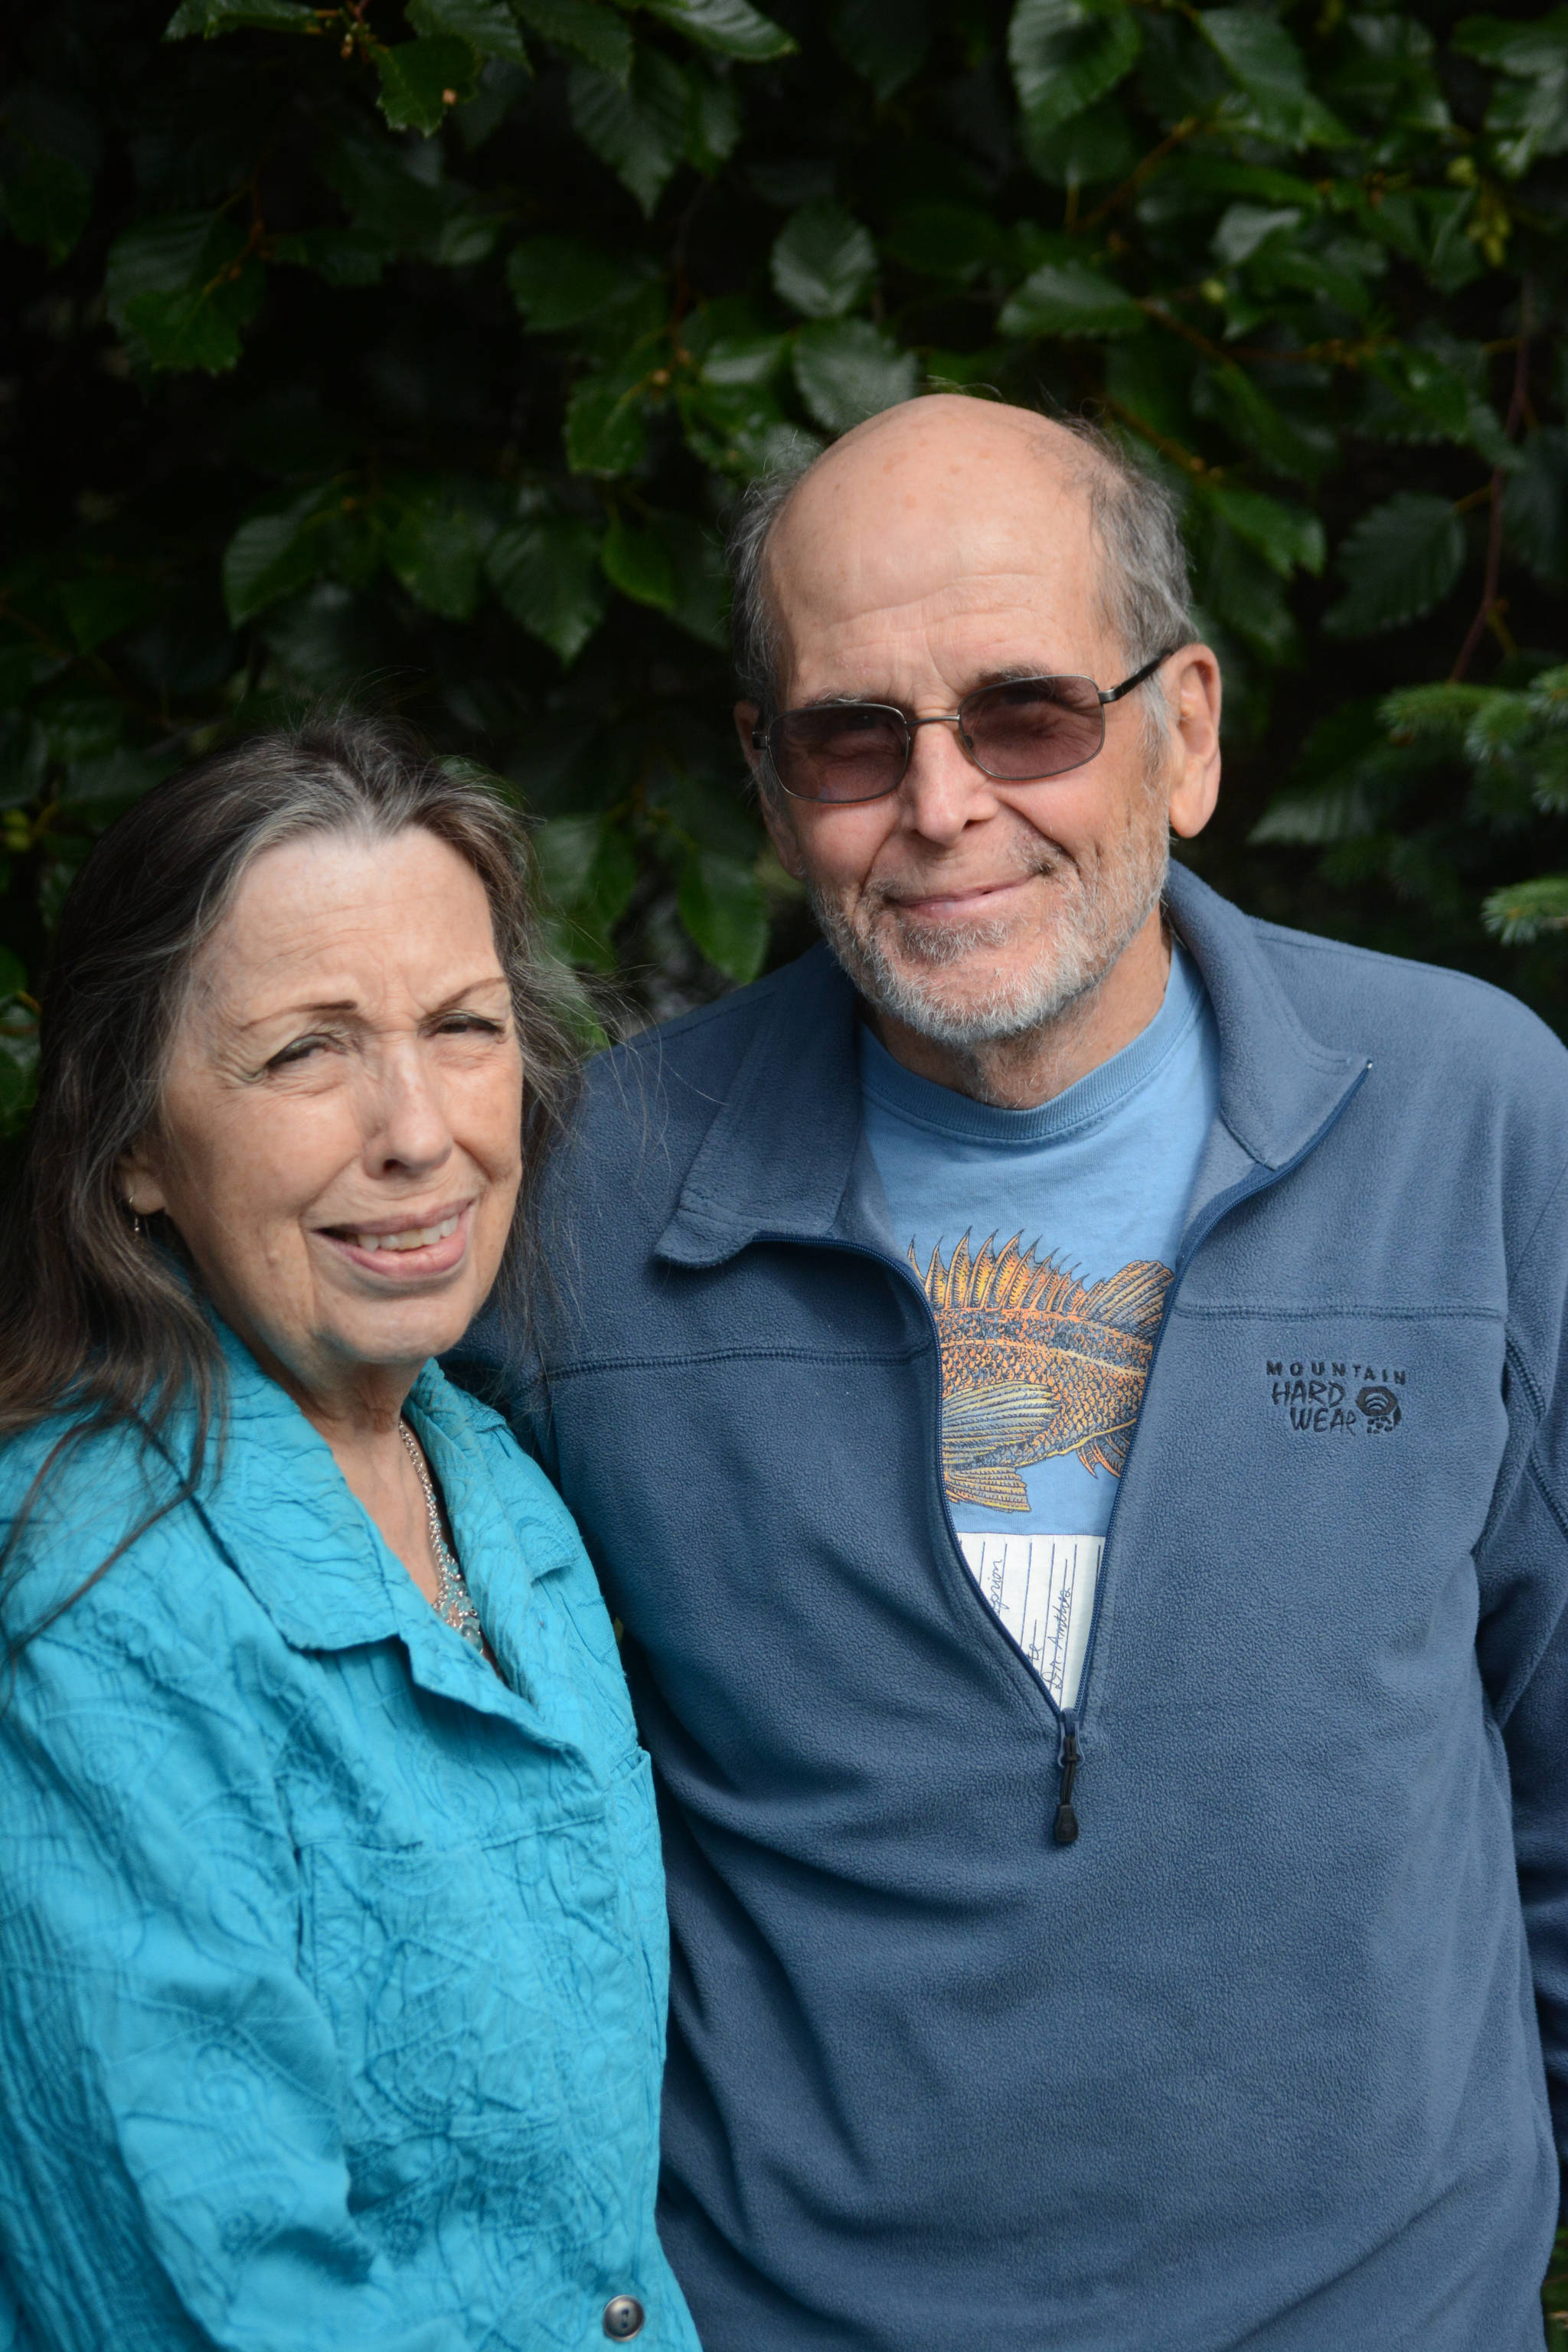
(454, 1602)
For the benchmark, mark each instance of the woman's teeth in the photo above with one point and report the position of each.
(413, 1236)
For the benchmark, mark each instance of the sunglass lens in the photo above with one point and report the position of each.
(849, 751)
(1037, 726)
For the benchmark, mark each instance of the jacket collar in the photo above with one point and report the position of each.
(781, 1156)
(286, 1520)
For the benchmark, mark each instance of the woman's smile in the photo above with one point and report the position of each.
(406, 1247)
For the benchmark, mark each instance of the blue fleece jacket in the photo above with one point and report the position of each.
(1255, 2060)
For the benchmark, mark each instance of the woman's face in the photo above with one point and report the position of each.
(339, 1141)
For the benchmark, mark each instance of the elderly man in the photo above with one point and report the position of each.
(1061, 1386)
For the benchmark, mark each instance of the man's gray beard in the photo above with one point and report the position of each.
(1093, 923)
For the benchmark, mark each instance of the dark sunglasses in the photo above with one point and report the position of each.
(1021, 733)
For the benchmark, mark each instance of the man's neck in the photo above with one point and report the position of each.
(1020, 1073)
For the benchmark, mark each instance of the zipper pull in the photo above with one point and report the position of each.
(1067, 1819)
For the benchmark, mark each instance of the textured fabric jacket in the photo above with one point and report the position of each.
(332, 1970)
(1255, 2062)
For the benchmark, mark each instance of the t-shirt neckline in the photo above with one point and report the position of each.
(1095, 1097)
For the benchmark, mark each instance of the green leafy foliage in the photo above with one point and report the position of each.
(422, 350)
(1399, 561)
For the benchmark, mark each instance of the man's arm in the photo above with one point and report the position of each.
(1522, 1635)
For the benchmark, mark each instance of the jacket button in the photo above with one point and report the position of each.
(624, 2316)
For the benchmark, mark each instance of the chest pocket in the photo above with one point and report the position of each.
(496, 2013)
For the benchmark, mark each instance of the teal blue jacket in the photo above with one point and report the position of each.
(332, 1965)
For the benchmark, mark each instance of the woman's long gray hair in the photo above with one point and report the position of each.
(93, 1316)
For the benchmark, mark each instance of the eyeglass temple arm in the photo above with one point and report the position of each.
(1115, 693)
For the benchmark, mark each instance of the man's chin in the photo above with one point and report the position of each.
(981, 1006)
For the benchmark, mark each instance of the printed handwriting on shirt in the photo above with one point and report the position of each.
(1037, 1363)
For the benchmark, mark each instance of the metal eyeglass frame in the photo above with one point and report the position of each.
(761, 736)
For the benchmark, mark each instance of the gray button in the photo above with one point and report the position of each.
(624, 2316)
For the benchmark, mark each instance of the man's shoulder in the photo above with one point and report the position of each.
(718, 1032)
(1363, 998)
(680, 1070)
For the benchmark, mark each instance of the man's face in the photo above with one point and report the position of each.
(935, 553)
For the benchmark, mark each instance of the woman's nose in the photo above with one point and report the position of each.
(407, 1127)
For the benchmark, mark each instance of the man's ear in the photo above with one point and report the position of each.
(1194, 691)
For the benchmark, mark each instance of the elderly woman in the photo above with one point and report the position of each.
(331, 1935)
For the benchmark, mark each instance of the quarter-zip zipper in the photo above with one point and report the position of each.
(1065, 1822)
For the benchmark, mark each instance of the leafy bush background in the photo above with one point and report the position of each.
(425, 349)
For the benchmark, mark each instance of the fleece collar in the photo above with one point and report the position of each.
(783, 1157)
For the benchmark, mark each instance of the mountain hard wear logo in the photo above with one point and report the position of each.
(1321, 1396)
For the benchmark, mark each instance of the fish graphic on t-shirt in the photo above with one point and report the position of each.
(1037, 1363)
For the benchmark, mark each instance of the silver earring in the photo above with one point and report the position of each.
(138, 1223)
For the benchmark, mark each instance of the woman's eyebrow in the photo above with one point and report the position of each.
(315, 1010)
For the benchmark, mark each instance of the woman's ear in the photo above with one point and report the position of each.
(141, 1188)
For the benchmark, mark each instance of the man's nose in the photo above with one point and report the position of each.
(943, 790)
(406, 1124)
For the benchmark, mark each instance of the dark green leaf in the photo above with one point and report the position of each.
(885, 41)
(1426, 384)
(1535, 507)
(12, 976)
(79, 726)
(822, 262)
(546, 573)
(273, 556)
(723, 908)
(604, 433)
(436, 540)
(946, 240)
(121, 774)
(1065, 55)
(1268, 65)
(639, 563)
(48, 199)
(1288, 444)
(589, 30)
(343, 256)
(167, 255)
(1400, 560)
(1527, 120)
(1244, 227)
(641, 131)
(421, 80)
(1287, 538)
(393, 190)
(204, 18)
(1243, 586)
(1069, 298)
(98, 606)
(487, 25)
(713, 131)
(198, 327)
(1098, 146)
(558, 281)
(589, 870)
(1516, 48)
(848, 370)
(730, 27)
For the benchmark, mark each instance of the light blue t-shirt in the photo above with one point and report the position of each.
(1044, 1240)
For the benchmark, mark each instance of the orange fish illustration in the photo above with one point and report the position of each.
(1036, 1363)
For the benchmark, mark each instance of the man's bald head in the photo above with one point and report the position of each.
(968, 456)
